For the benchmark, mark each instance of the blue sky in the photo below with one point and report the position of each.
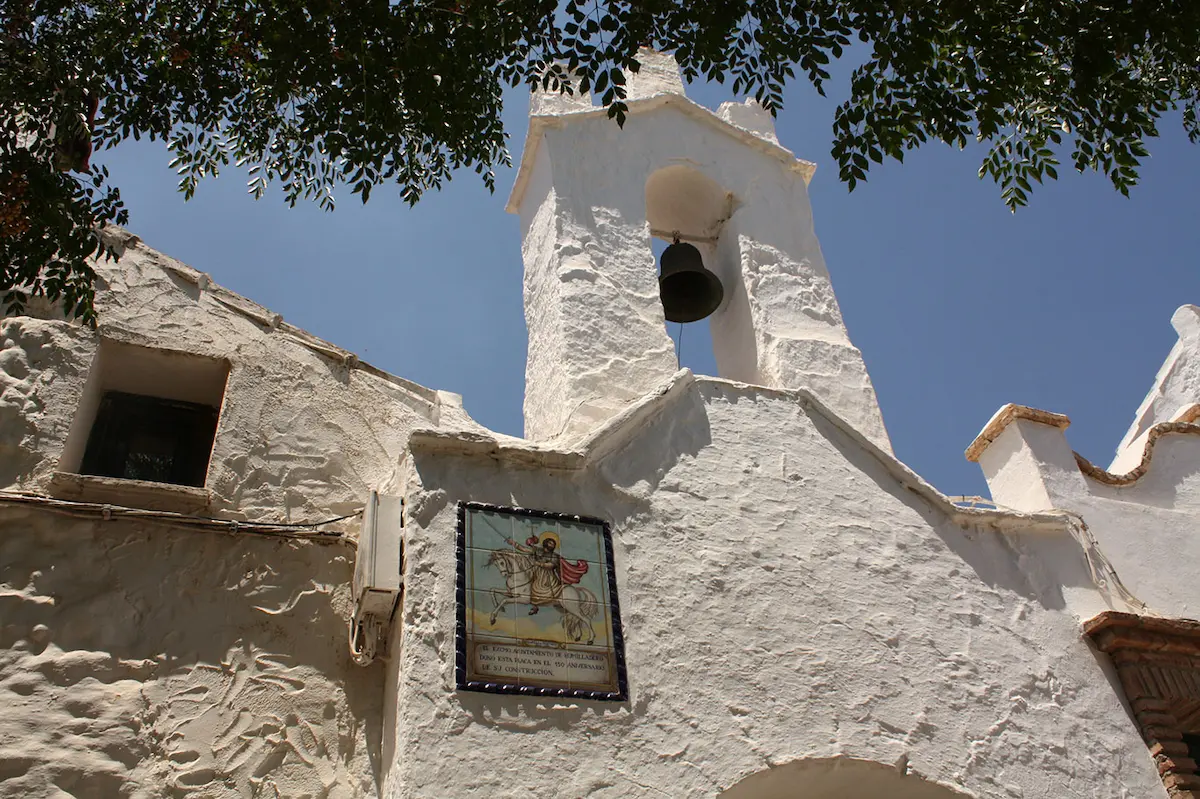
(958, 305)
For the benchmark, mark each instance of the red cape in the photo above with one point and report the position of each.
(571, 573)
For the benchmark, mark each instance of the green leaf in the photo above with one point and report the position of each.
(314, 96)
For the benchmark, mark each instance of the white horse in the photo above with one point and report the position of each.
(517, 569)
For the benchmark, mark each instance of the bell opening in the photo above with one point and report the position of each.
(685, 204)
(692, 342)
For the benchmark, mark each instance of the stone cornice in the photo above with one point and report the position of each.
(1006, 416)
(1114, 629)
(1185, 422)
(1158, 664)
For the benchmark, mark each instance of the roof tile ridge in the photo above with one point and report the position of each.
(1185, 422)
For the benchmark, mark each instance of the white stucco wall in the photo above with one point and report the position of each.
(784, 597)
(596, 331)
(1176, 386)
(1147, 529)
(43, 368)
(138, 660)
(1143, 513)
(155, 659)
(302, 435)
(800, 610)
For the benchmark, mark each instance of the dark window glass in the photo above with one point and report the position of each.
(1193, 744)
(147, 438)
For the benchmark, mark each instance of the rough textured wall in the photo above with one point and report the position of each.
(597, 337)
(43, 366)
(1148, 530)
(1143, 521)
(1148, 526)
(141, 661)
(784, 597)
(302, 435)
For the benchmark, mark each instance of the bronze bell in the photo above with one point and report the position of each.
(689, 292)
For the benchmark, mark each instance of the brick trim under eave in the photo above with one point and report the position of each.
(1158, 663)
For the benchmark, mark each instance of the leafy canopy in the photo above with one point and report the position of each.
(316, 94)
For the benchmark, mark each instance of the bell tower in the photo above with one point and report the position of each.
(591, 196)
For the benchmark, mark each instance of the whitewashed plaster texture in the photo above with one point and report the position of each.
(138, 660)
(1144, 521)
(1176, 387)
(803, 616)
(151, 660)
(1028, 463)
(305, 430)
(837, 777)
(658, 73)
(596, 330)
(1149, 529)
(790, 595)
(558, 102)
(43, 366)
(751, 116)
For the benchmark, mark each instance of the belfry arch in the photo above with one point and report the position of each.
(682, 200)
(837, 778)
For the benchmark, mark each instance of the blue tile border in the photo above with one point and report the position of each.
(460, 598)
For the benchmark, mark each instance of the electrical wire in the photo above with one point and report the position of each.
(92, 510)
(311, 525)
(1103, 573)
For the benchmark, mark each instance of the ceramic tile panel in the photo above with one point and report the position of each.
(537, 605)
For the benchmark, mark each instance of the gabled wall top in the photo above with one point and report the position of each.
(285, 397)
(1176, 388)
(655, 86)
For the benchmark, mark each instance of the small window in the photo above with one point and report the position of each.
(147, 438)
(148, 415)
(1192, 741)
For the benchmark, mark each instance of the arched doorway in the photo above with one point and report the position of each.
(837, 778)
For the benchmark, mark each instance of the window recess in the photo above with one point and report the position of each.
(146, 415)
(149, 438)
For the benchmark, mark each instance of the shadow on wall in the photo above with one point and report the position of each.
(835, 778)
(191, 663)
(1035, 565)
(39, 362)
(682, 430)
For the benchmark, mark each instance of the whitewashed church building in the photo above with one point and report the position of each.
(236, 561)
